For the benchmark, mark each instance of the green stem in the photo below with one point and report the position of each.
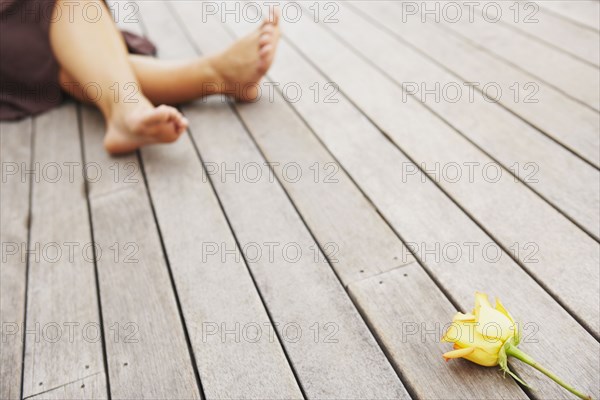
(517, 353)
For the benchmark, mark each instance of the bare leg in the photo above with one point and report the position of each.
(235, 71)
(132, 120)
(160, 81)
(93, 53)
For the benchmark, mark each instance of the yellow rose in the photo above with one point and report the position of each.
(480, 336)
(488, 336)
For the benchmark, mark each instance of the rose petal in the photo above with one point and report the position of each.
(458, 353)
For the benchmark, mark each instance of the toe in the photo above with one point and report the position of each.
(266, 51)
(170, 137)
(266, 57)
(267, 29)
(167, 124)
(168, 132)
(173, 115)
(275, 16)
(269, 34)
(160, 114)
(265, 39)
(181, 125)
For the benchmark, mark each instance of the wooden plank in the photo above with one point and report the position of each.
(89, 387)
(582, 12)
(555, 31)
(526, 153)
(388, 301)
(425, 217)
(570, 123)
(341, 218)
(344, 219)
(63, 341)
(514, 216)
(15, 159)
(216, 293)
(575, 78)
(146, 348)
(298, 286)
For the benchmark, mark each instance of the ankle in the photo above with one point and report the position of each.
(208, 70)
(121, 111)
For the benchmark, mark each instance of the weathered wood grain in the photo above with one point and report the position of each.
(15, 158)
(582, 12)
(298, 286)
(296, 292)
(538, 161)
(146, 348)
(217, 293)
(427, 219)
(284, 138)
(537, 235)
(335, 356)
(575, 78)
(563, 119)
(343, 221)
(410, 315)
(89, 387)
(63, 341)
(555, 31)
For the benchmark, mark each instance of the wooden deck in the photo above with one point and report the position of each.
(314, 244)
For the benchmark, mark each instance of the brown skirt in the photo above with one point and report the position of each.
(28, 68)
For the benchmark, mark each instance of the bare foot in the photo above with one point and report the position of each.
(133, 127)
(243, 65)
